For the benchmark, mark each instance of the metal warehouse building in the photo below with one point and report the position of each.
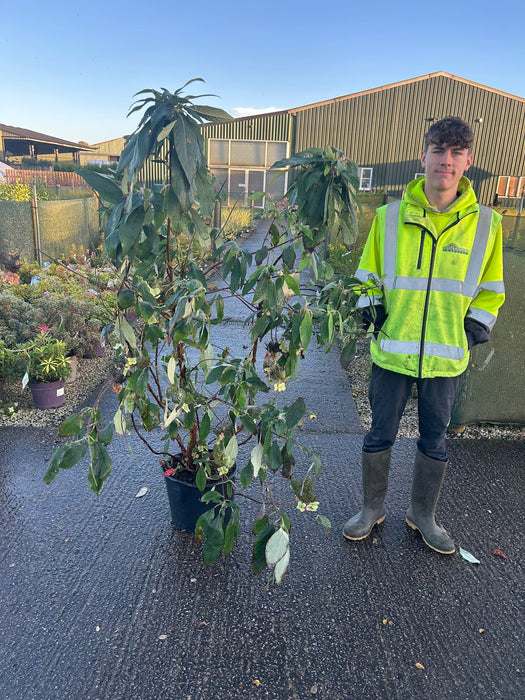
(382, 130)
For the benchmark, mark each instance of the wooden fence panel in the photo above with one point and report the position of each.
(49, 177)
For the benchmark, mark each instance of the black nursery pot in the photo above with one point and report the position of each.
(185, 501)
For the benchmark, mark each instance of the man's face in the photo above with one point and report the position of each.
(444, 166)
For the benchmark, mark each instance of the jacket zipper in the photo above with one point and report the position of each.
(430, 276)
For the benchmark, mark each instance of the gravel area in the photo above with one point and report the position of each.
(359, 373)
(18, 409)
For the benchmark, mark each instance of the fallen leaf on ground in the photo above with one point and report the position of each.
(468, 556)
(420, 666)
(499, 553)
(143, 491)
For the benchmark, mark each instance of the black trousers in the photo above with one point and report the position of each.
(388, 394)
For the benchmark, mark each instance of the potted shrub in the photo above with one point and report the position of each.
(46, 369)
(190, 400)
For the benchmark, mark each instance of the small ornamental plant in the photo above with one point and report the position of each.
(193, 401)
(9, 363)
(45, 359)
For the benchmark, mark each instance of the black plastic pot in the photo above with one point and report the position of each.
(185, 501)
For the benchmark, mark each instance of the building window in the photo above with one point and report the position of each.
(365, 178)
(242, 167)
(510, 186)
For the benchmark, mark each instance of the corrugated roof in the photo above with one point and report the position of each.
(36, 136)
(405, 82)
(333, 100)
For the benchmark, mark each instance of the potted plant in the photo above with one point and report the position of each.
(178, 383)
(46, 369)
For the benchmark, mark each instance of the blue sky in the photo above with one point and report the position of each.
(70, 69)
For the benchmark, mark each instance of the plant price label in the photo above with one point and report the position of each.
(60, 392)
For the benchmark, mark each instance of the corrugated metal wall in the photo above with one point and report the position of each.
(270, 127)
(384, 129)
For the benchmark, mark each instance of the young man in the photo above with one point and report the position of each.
(433, 267)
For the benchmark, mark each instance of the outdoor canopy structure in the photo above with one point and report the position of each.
(382, 130)
(16, 142)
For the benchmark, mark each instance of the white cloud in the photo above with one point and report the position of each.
(250, 111)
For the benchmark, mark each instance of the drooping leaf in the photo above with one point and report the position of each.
(277, 546)
(295, 412)
(107, 188)
(100, 467)
(305, 329)
(281, 567)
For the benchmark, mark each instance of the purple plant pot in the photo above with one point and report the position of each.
(48, 395)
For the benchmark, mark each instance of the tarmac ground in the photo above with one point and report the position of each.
(101, 599)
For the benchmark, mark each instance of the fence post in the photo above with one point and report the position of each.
(217, 214)
(36, 225)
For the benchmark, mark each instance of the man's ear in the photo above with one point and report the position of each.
(469, 161)
(423, 159)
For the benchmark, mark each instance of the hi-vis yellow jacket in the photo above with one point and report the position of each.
(431, 270)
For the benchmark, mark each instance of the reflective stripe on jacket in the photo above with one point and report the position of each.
(431, 270)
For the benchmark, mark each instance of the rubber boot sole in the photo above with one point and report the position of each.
(363, 537)
(440, 551)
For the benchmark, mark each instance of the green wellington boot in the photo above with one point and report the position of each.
(375, 466)
(426, 485)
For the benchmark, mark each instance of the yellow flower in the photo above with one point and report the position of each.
(279, 386)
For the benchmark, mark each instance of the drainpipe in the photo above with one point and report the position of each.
(36, 226)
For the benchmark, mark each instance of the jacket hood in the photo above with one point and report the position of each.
(415, 195)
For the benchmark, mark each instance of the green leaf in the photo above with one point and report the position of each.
(125, 298)
(289, 255)
(214, 540)
(305, 329)
(257, 457)
(200, 479)
(261, 254)
(295, 412)
(54, 464)
(64, 458)
(203, 522)
(72, 425)
(119, 421)
(100, 467)
(205, 425)
(73, 455)
(259, 545)
(125, 330)
(277, 546)
(131, 228)
(107, 188)
(324, 521)
(247, 475)
(211, 497)
(231, 532)
(248, 423)
(292, 284)
(281, 567)
(232, 449)
(105, 435)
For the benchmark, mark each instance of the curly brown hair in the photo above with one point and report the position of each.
(450, 131)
